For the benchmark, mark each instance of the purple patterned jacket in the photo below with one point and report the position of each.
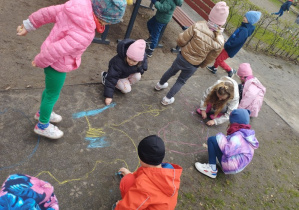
(238, 149)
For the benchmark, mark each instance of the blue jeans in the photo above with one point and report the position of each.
(187, 70)
(154, 29)
(214, 150)
(280, 12)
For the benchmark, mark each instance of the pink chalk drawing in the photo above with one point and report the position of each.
(180, 139)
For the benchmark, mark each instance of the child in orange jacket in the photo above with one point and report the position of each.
(155, 184)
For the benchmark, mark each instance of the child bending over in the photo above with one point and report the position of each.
(219, 101)
(73, 31)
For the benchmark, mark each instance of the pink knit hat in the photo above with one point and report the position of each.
(219, 13)
(136, 50)
(244, 70)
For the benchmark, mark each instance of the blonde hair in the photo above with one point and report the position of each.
(223, 88)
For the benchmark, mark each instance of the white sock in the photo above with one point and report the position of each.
(213, 166)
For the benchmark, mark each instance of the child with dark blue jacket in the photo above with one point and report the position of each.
(284, 7)
(235, 42)
(125, 69)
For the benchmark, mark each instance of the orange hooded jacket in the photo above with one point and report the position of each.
(154, 189)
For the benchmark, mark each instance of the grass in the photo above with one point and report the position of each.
(214, 203)
(190, 197)
(293, 193)
(277, 3)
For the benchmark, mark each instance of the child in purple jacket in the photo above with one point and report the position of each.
(234, 151)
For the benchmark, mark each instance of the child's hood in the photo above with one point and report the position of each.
(257, 83)
(167, 180)
(249, 136)
(123, 46)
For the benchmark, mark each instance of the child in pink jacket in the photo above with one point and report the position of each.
(73, 31)
(251, 90)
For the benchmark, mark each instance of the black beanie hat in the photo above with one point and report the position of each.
(151, 150)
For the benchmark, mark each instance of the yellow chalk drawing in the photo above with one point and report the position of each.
(93, 132)
(83, 177)
(153, 112)
(131, 141)
(98, 132)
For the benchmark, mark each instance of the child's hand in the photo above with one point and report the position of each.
(21, 31)
(203, 114)
(124, 171)
(33, 64)
(108, 101)
(211, 122)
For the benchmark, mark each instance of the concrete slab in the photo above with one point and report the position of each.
(99, 140)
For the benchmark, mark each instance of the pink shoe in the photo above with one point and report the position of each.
(198, 111)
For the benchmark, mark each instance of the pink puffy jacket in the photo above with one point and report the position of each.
(253, 96)
(72, 33)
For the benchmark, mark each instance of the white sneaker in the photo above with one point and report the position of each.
(54, 118)
(165, 101)
(51, 132)
(206, 169)
(158, 86)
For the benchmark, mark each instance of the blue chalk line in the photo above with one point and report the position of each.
(92, 112)
(31, 154)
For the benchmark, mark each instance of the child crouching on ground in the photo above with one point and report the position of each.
(251, 90)
(155, 184)
(234, 151)
(219, 101)
(125, 69)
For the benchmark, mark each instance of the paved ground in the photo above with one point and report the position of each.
(98, 139)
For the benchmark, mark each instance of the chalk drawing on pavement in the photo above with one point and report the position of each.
(29, 156)
(176, 140)
(92, 112)
(99, 133)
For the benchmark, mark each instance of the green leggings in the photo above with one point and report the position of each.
(54, 82)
